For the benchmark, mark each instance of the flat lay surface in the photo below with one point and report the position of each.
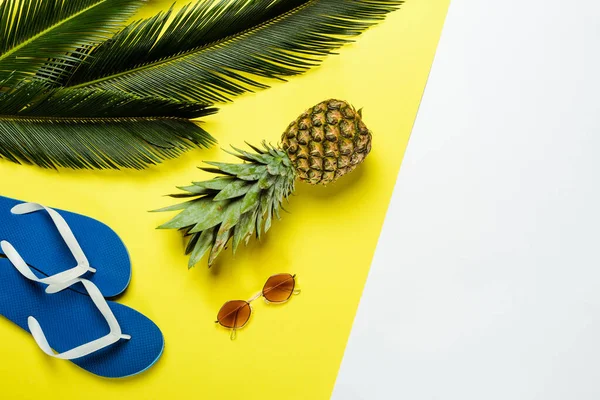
(290, 350)
(490, 246)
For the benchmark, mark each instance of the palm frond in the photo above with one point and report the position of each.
(85, 128)
(216, 49)
(34, 31)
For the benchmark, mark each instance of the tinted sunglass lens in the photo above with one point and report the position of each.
(234, 314)
(279, 288)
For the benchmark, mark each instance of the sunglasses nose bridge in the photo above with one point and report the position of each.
(256, 296)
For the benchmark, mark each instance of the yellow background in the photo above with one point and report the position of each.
(292, 351)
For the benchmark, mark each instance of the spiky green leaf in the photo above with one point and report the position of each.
(175, 207)
(213, 216)
(251, 198)
(248, 172)
(243, 230)
(203, 244)
(231, 216)
(236, 188)
(192, 190)
(269, 211)
(196, 211)
(250, 157)
(218, 183)
(219, 244)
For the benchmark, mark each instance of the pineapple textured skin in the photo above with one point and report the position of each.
(326, 142)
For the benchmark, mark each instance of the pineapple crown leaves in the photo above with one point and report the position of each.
(35, 31)
(235, 205)
(83, 128)
(217, 49)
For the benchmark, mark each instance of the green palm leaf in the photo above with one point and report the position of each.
(84, 128)
(215, 49)
(34, 31)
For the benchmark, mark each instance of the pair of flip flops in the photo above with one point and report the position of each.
(56, 268)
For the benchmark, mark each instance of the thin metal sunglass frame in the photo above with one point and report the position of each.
(295, 291)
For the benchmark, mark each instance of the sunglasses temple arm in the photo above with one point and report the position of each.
(233, 330)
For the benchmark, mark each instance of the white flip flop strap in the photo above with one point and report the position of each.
(53, 281)
(94, 293)
(113, 336)
(62, 279)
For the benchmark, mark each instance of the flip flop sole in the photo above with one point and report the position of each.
(38, 241)
(70, 319)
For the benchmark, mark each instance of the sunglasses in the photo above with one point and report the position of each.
(235, 313)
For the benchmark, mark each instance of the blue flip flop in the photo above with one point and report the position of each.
(103, 337)
(51, 239)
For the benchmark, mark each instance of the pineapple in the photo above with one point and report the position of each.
(323, 144)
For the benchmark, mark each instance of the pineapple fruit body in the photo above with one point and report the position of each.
(326, 142)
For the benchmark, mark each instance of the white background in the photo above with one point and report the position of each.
(486, 280)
